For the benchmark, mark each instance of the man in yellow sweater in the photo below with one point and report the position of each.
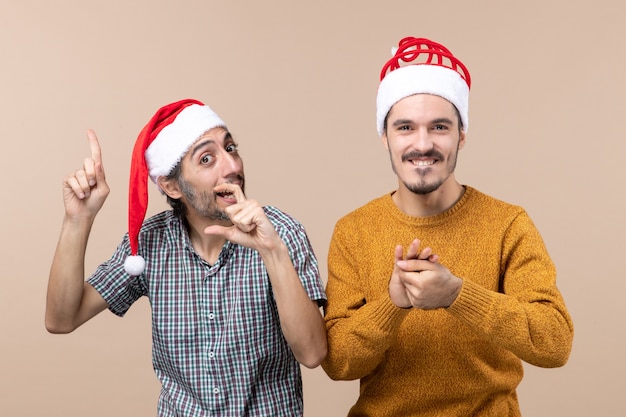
(436, 291)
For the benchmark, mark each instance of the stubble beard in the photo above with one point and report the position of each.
(204, 203)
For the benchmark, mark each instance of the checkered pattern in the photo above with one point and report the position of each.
(217, 344)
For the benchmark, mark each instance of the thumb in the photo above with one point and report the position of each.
(217, 230)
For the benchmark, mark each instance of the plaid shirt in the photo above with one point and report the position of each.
(218, 348)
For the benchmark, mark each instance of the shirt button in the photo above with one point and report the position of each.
(211, 355)
(211, 316)
(216, 390)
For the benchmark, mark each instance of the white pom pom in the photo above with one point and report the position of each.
(135, 265)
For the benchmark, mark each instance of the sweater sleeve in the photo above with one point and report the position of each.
(527, 316)
(360, 331)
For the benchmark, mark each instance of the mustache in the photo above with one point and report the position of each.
(236, 179)
(415, 155)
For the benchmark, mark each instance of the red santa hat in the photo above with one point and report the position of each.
(420, 65)
(160, 146)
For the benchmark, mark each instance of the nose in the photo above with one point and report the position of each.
(231, 164)
(422, 141)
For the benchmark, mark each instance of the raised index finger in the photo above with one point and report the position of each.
(96, 153)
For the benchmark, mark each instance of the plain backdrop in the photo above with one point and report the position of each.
(296, 82)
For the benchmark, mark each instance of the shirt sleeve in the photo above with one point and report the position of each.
(528, 315)
(305, 263)
(111, 280)
(354, 325)
(301, 253)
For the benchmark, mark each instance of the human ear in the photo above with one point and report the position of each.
(170, 187)
(461, 139)
(384, 139)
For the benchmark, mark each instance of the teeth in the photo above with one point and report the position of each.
(423, 163)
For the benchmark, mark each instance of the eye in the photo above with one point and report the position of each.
(440, 127)
(404, 127)
(206, 159)
(232, 148)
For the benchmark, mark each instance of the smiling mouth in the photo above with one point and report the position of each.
(422, 162)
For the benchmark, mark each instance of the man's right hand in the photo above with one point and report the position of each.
(397, 289)
(70, 300)
(85, 191)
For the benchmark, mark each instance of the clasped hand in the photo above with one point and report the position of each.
(419, 280)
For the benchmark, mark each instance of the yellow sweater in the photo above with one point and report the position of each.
(461, 361)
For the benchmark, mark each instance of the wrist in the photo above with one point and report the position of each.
(273, 249)
(458, 285)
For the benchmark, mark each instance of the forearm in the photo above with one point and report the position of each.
(359, 340)
(301, 321)
(66, 281)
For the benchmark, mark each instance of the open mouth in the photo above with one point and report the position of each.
(227, 195)
(422, 159)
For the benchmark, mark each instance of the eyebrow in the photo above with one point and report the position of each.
(441, 120)
(402, 122)
(227, 137)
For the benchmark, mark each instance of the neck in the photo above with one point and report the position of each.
(431, 204)
(207, 246)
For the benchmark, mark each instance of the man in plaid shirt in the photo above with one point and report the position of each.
(234, 287)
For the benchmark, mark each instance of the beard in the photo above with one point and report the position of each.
(204, 203)
(422, 186)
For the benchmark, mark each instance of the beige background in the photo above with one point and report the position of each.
(296, 82)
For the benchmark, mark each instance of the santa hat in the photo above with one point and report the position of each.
(160, 146)
(429, 68)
